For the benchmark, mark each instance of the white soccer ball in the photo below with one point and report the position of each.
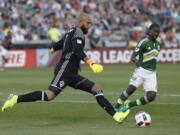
(142, 119)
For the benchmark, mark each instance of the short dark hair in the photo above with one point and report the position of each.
(153, 25)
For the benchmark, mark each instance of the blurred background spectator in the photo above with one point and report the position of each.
(116, 23)
(95, 35)
(53, 32)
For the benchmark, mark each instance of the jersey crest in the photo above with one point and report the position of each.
(79, 41)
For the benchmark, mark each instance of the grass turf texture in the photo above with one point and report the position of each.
(75, 112)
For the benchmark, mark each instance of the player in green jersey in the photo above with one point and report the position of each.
(145, 58)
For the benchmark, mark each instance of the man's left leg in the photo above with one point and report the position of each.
(149, 97)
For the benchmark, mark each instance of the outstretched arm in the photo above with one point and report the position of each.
(56, 45)
(78, 46)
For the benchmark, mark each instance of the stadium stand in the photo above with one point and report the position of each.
(119, 23)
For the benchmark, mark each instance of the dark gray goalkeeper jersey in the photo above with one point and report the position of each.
(66, 71)
(148, 50)
(72, 45)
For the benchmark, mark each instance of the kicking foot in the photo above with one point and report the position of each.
(10, 102)
(121, 116)
(125, 106)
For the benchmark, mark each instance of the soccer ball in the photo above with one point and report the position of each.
(142, 119)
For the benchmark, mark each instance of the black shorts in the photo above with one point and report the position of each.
(75, 81)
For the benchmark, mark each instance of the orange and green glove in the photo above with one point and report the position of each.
(96, 68)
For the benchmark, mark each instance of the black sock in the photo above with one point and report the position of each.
(104, 103)
(34, 96)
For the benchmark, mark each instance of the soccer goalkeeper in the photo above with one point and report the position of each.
(66, 72)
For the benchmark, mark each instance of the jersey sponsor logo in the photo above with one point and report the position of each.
(153, 54)
(154, 51)
(79, 41)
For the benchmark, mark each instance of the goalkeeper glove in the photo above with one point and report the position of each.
(96, 68)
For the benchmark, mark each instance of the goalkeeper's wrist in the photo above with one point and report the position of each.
(89, 61)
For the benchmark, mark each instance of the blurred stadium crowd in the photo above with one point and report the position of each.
(116, 23)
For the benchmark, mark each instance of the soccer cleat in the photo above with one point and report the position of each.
(116, 107)
(10, 102)
(125, 106)
(121, 116)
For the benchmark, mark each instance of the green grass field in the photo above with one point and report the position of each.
(75, 112)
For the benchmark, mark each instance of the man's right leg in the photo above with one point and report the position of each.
(29, 97)
(106, 105)
(89, 86)
(124, 96)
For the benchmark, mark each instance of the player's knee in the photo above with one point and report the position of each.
(98, 93)
(151, 95)
(96, 90)
(51, 95)
(131, 89)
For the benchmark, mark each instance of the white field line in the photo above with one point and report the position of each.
(117, 94)
(94, 102)
(136, 94)
(112, 94)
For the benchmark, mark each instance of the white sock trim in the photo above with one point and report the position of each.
(138, 102)
(125, 94)
(99, 94)
(146, 99)
(119, 101)
(42, 96)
